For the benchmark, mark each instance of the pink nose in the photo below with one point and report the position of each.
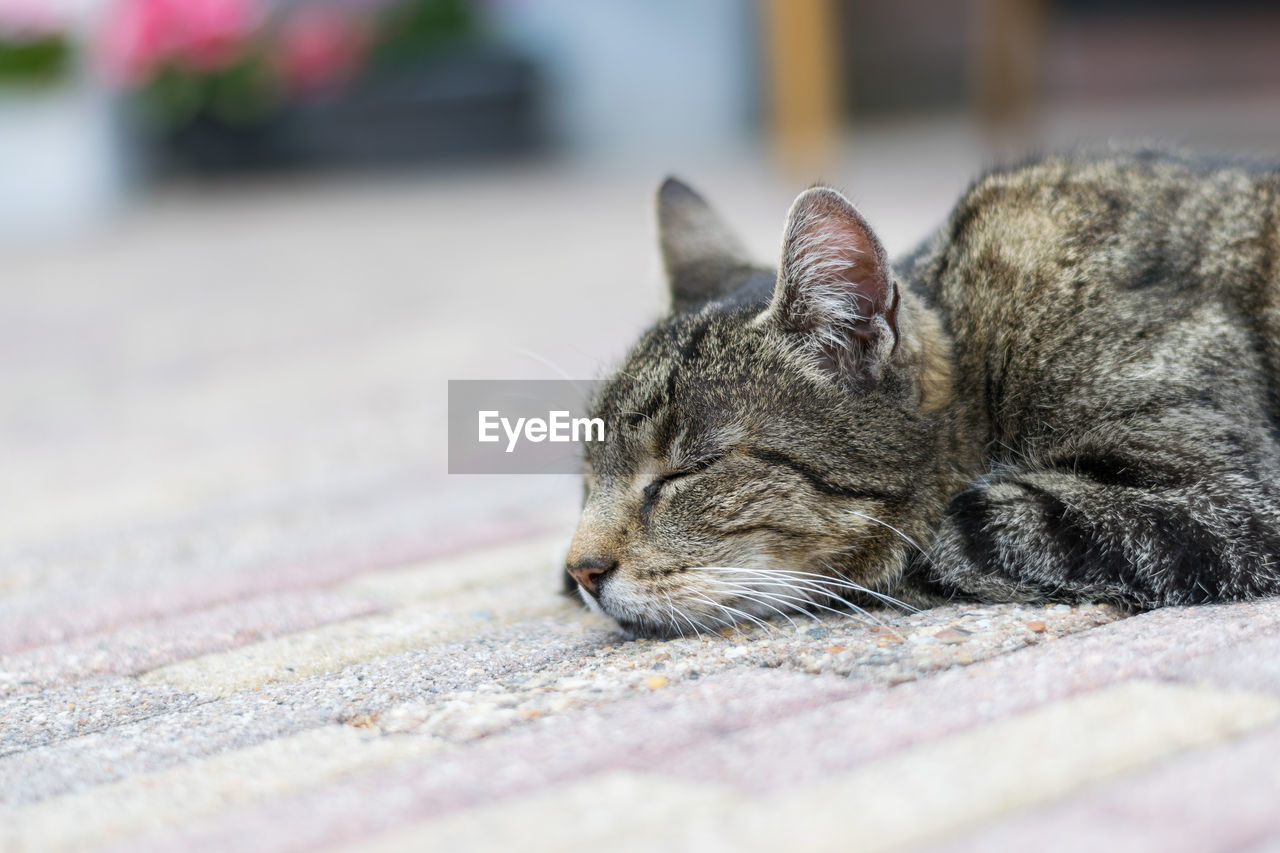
(590, 572)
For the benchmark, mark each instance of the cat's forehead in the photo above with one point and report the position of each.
(695, 385)
(691, 360)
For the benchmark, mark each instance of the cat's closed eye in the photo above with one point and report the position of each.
(654, 490)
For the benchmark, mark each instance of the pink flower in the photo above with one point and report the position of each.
(205, 35)
(321, 48)
(139, 36)
(216, 31)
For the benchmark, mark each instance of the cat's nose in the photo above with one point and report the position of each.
(590, 572)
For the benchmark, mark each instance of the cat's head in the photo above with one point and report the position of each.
(771, 444)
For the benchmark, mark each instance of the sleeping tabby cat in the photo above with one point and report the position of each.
(1071, 392)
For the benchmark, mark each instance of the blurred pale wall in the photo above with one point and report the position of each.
(633, 74)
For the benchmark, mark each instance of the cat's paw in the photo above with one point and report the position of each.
(989, 546)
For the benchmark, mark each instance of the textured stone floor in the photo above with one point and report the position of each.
(457, 702)
(242, 607)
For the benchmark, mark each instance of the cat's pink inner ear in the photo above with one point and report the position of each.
(834, 269)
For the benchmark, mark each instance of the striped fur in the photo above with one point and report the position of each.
(1068, 393)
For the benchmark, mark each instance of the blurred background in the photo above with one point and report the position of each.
(244, 243)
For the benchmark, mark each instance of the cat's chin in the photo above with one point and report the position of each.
(634, 626)
(636, 629)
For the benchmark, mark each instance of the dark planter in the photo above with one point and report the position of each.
(211, 147)
(466, 103)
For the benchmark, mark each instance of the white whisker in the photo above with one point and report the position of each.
(745, 591)
(672, 610)
(801, 582)
(729, 610)
(834, 580)
(905, 537)
(555, 368)
(809, 602)
(760, 600)
(640, 414)
(697, 627)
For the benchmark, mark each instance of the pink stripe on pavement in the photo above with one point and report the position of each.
(58, 625)
(758, 722)
(1158, 645)
(640, 732)
(1222, 798)
(145, 645)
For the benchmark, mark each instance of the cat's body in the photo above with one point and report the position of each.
(1070, 392)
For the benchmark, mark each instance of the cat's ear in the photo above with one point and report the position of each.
(835, 287)
(699, 252)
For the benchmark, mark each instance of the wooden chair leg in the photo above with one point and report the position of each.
(1009, 39)
(804, 90)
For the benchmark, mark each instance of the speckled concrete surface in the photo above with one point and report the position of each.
(242, 606)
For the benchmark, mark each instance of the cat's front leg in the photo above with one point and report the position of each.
(1007, 541)
(1055, 535)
